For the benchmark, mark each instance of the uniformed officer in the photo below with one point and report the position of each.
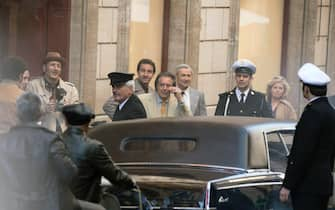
(90, 156)
(308, 177)
(129, 105)
(53, 91)
(242, 100)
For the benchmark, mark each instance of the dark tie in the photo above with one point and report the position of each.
(242, 98)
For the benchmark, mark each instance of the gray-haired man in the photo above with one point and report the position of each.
(193, 99)
(129, 105)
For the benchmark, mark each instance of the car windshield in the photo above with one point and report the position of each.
(163, 196)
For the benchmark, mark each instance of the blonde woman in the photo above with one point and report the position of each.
(277, 90)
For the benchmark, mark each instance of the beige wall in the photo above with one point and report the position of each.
(260, 37)
(146, 29)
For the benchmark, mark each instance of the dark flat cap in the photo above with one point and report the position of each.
(244, 66)
(118, 78)
(78, 114)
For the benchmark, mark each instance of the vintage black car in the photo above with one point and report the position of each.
(201, 162)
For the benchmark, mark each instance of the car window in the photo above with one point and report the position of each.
(157, 144)
(279, 145)
(258, 197)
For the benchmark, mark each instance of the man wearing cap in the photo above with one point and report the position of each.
(194, 99)
(90, 156)
(53, 91)
(129, 106)
(167, 100)
(146, 69)
(242, 100)
(308, 177)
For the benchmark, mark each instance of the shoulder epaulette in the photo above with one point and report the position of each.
(69, 83)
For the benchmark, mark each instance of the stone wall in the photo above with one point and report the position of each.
(204, 36)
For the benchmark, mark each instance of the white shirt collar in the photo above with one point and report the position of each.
(238, 94)
(187, 98)
(122, 104)
(313, 99)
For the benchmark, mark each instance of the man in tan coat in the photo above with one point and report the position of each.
(167, 100)
(11, 69)
(53, 91)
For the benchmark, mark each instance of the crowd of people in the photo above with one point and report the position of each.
(48, 162)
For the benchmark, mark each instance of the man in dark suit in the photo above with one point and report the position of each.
(308, 177)
(90, 156)
(242, 100)
(130, 106)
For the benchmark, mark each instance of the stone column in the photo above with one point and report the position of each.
(122, 51)
(300, 45)
(83, 48)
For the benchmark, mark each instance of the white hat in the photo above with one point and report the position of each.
(312, 75)
(244, 66)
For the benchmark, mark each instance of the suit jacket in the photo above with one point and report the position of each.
(93, 162)
(311, 160)
(254, 106)
(153, 110)
(139, 88)
(132, 109)
(197, 102)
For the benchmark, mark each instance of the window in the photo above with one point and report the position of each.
(159, 144)
(279, 145)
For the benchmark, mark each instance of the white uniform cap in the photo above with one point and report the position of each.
(245, 66)
(312, 75)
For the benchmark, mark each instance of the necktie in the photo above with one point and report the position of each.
(242, 98)
(163, 109)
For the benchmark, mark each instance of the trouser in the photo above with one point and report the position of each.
(308, 201)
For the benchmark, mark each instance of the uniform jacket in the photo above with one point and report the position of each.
(153, 108)
(132, 109)
(93, 162)
(311, 160)
(35, 170)
(197, 102)
(254, 106)
(285, 111)
(110, 105)
(9, 92)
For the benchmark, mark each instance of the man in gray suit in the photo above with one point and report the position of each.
(193, 98)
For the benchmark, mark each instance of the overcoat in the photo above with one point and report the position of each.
(311, 160)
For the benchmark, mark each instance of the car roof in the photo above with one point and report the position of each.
(222, 141)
